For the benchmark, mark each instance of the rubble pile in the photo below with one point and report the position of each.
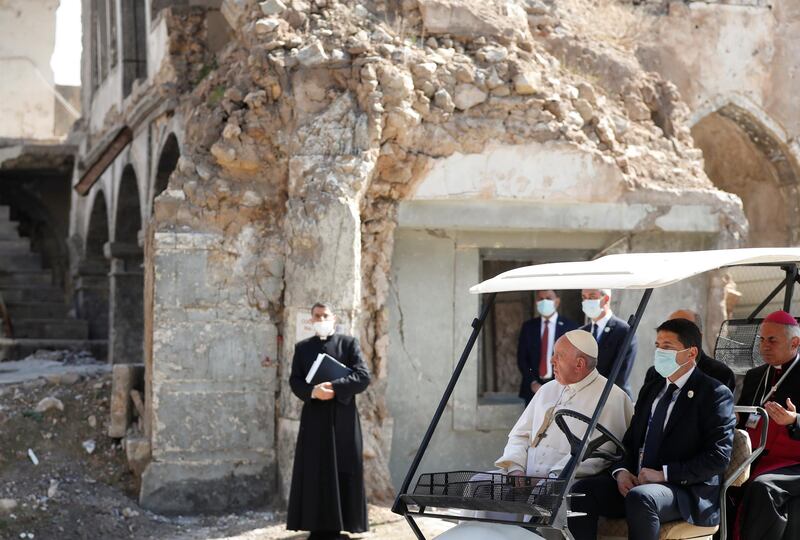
(324, 113)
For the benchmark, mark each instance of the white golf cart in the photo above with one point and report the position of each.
(491, 500)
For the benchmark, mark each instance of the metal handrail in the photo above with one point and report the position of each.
(723, 524)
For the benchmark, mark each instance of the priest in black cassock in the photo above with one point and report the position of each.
(327, 494)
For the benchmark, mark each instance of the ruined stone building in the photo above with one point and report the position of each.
(238, 160)
(36, 162)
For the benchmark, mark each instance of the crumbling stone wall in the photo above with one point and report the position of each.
(317, 119)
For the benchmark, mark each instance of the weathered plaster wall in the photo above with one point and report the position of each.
(715, 53)
(27, 104)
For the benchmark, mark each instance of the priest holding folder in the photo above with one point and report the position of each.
(327, 494)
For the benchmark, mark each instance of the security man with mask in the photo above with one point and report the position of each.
(537, 339)
(677, 447)
(610, 332)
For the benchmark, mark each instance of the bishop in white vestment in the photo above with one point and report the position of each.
(536, 446)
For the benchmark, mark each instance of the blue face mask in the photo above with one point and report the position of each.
(666, 362)
(546, 307)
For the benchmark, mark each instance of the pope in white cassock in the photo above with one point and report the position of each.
(536, 446)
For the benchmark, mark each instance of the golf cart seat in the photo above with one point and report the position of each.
(613, 529)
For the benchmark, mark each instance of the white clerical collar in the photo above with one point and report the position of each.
(779, 368)
(583, 383)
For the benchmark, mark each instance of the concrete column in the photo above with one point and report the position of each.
(91, 293)
(323, 232)
(126, 308)
(211, 402)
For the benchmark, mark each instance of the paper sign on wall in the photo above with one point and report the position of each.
(303, 325)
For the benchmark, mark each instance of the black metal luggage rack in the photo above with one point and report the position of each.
(488, 492)
(737, 345)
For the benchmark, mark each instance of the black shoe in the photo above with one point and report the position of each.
(324, 535)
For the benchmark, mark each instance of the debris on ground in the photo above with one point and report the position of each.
(62, 476)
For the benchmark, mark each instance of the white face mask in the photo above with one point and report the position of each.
(666, 362)
(592, 308)
(546, 307)
(324, 328)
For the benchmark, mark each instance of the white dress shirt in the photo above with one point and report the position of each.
(551, 339)
(553, 452)
(600, 326)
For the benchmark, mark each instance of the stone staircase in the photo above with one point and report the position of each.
(36, 307)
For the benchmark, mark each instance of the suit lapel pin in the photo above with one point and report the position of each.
(606, 330)
(690, 393)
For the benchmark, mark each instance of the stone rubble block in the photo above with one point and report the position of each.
(527, 82)
(472, 19)
(267, 25)
(272, 7)
(443, 100)
(49, 404)
(468, 96)
(137, 451)
(7, 505)
(492, 55)
(312, 55)
(124, 378)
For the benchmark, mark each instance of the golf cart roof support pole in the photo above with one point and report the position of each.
(791, 277)
(477, 324)
(414, 527)
(766, 301)
(573, 464)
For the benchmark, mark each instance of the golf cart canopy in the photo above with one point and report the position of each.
(632, 270)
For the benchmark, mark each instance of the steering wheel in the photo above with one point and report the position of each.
(593, 446)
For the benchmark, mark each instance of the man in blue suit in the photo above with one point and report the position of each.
(536, 340)
(610, 332)
(676, 449)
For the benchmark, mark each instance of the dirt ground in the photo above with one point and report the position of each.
(74, 494)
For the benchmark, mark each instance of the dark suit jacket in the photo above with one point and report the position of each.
(713, 368)
(529, 349)
(752, 394)
(697, 443)
(608, 347)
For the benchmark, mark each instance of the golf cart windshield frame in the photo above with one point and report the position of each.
(556, 524)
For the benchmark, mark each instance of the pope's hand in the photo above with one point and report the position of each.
(626, 482)
(781, 416)
(323, 391)
(651, 476)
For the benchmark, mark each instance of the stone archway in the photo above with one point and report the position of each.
(743, 155)
(126, 277)
(168, 160)
(92, 282)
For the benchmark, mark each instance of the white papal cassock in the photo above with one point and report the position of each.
(552, 452)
